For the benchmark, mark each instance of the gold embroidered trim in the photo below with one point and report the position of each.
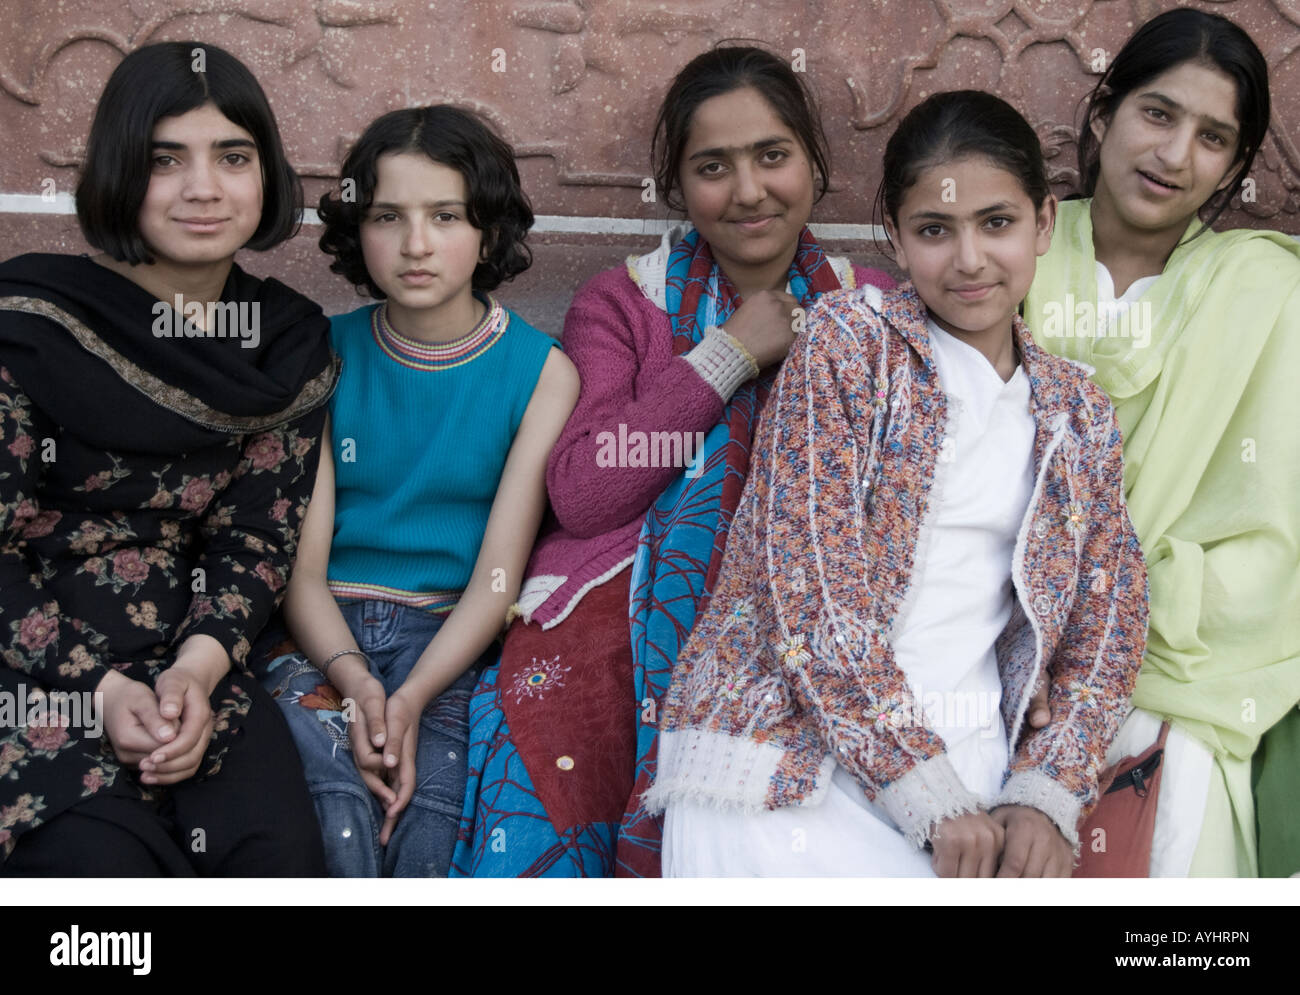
(313, 394)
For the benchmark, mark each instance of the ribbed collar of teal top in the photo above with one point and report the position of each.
(433, 356)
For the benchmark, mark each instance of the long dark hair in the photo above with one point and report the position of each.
(497, 204)
(1166, 42)
(722, 70)
(960, 124)
(167, 80)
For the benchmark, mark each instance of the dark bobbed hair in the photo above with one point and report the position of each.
(159, 81)
(721, 70)
(1166, 42)
(459, 139)
(960, 124)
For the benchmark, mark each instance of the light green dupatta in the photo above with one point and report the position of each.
(1210, 412)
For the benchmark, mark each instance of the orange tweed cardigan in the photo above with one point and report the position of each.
(790, 671)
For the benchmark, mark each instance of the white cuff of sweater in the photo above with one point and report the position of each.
(926, 795)
(722, 361)
(1036, 790)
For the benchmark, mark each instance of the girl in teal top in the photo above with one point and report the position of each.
(430, 491)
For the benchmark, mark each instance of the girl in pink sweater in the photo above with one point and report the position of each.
(676, 351)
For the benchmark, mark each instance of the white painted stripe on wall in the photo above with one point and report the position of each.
(34, 203)
(63, 203)
(635, 226)
(600, 226)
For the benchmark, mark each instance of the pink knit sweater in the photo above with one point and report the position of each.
(621, 342)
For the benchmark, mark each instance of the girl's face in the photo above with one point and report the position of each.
(746, 180)
(1170, 144)
(968, 237)
(418, 245)
(204, 200)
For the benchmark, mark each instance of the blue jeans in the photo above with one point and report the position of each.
(393, 636)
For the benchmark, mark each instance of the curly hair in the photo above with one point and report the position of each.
(453, 137)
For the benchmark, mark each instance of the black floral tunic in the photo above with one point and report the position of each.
(112, 557)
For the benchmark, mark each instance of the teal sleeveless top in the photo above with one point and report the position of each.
(421, 432)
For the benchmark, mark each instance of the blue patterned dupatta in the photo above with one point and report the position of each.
(680, 548)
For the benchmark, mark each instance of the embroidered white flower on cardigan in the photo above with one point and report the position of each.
(1082, 694)
(792, 651)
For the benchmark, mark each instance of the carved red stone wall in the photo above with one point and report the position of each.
(574, 86)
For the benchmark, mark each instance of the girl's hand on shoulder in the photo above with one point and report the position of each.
(132, 722)
(764, 325)
(967, 846)
(402, 722)
(1034, 846)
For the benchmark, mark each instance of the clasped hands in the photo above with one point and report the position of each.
(383, 730)
(1011, 841)
(164, 731)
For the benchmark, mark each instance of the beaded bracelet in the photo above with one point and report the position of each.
(325, 667)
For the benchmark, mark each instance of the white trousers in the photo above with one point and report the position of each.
(844, 836)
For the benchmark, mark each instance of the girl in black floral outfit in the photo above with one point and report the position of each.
(159, 417)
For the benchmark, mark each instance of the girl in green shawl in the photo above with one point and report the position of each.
(1196, 337)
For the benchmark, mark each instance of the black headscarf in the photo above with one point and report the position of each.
(80, 341)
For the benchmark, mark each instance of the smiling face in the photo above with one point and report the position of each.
(747, 183)
(968, 237)
(204, 200)
(1168, 147)
(418, 244)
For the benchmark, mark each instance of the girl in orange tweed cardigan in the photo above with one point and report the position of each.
(790, 689)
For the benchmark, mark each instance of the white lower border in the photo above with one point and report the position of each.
(63, 203)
